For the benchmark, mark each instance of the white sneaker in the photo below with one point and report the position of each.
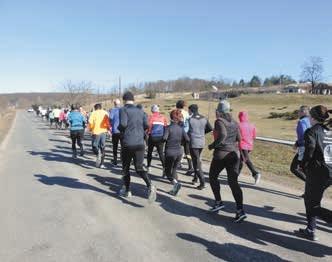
(257, 178)
(124, 193)
(102, 167)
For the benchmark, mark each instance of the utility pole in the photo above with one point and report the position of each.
(120, 90)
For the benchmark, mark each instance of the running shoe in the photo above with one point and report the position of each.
(200, 187)
(114, 163)
(102, 166)
(218, 205)
(74, 155)
(240, 216)
(124, 193)
(152, 194)
(194, 181)
(98, 160)
(190, 172)
(307, 233)
(257, 178)
(176, 188)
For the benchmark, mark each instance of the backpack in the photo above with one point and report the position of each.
(157, 129)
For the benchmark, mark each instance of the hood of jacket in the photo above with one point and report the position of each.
(243, 116)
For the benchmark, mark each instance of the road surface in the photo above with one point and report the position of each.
(55, 209)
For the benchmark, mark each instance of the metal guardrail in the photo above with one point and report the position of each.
(276, 141)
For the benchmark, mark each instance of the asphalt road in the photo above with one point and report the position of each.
(54, 208)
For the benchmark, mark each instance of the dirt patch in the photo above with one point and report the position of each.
(6, 120)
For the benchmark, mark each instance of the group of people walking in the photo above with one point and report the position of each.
(184, 136)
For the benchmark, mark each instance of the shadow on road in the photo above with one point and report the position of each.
(231, 252)
(74, 183)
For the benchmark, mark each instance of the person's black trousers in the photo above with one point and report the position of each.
(246, 159)
(186, 148)
(137, 154)
(116, 139)
(294, 168)
(159, 144)
(172, 161)
(197, 163)
(231, 163)
(317, 180)
(76, 137)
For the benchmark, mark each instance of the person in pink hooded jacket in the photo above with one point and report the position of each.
(248, 134)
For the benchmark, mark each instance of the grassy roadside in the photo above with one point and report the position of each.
(6, 120)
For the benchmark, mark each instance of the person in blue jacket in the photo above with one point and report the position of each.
(116, 135)
(77, 124)
(302, 125)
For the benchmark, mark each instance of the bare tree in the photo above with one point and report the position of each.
(312, 70)
(77, 93)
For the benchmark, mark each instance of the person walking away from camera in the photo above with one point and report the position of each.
(116, 135)
(57, 112)
(62, 118)
(99, 126)
(302, 125)
(180, 106)
(133, 125)
(198, 127)
(77, 124)
(175, 137)
(157, 124)
(141, 107)
(317, 165)
(248, 135)
(226, 155)
(51, 118)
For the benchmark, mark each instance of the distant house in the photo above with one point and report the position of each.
(322, 89)
(295, 89)
(195, 95)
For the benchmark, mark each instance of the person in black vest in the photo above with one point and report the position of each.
(317, 166)
(226, 155)
(133, 124)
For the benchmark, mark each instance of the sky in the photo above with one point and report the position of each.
(44, 43)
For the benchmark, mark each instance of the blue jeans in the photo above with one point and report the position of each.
(98, 143)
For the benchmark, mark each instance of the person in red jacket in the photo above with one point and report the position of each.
(248, 134)
(157, 124)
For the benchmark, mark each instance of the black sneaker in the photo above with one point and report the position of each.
(307, 233)
(114, 163)
(176, 188)
(194, 181)
(240, 216)
(190, 172)
(218, 205)
(200, 187)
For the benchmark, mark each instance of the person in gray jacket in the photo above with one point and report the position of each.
(198, 127)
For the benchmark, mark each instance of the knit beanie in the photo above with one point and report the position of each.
(154, 108)
(224, 107)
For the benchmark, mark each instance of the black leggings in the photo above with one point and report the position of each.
(76, 137)
(186, 148)
(231, 163)
(136, 153)
(158, 143)
(246, 159)
(196, 158)
(316, 183)
(116, 138)
(172, 162)
(294, 168)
